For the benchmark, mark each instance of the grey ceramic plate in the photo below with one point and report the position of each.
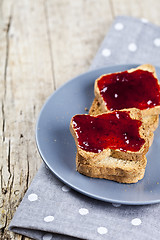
(58, 150)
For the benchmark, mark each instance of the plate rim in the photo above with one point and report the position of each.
(93, 196)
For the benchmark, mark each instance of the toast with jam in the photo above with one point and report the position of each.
(111, 145)
(136, 88)
(113, 139)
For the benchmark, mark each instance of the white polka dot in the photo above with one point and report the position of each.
(32, 197)
(49, 219)
(136, 221)
(65, 188)
(83, 211)
(116, 205)
(119, 26)
(157, 42)
(47, 236)
(106, 52)
(102, 230)
(144, 20)
(132, 47)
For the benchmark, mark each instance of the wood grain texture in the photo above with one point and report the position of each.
(75, 31)
(44, 43)
(27, 80)
(148, 9)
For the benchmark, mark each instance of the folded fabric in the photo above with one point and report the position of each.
(50, 209)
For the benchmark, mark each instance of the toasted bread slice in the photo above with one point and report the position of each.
(111, 169)
(114, 166)
(145, 112)
(116, 153)
(150, 121)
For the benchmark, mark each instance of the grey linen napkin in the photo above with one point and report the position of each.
(51, 210)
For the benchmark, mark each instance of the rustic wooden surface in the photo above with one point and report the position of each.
(44, 43)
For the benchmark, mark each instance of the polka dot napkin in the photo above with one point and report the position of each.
(51, 210)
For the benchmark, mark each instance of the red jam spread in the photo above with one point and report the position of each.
(114, 130)
(137, 89)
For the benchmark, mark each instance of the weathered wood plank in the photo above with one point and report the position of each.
(26, 81)
(142, 9)
(76, 29)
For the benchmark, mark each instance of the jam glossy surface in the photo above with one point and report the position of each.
(138, 89)
(114, 130)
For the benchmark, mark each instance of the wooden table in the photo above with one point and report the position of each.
(44, 43)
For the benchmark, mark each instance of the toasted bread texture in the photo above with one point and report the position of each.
(113, 169)
(145, 112)
(115, 166)
(116, 153)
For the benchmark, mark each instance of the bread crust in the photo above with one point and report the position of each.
(114, 166)
(98, 172)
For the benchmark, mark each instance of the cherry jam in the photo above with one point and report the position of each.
(137, 89)
(114, 130)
